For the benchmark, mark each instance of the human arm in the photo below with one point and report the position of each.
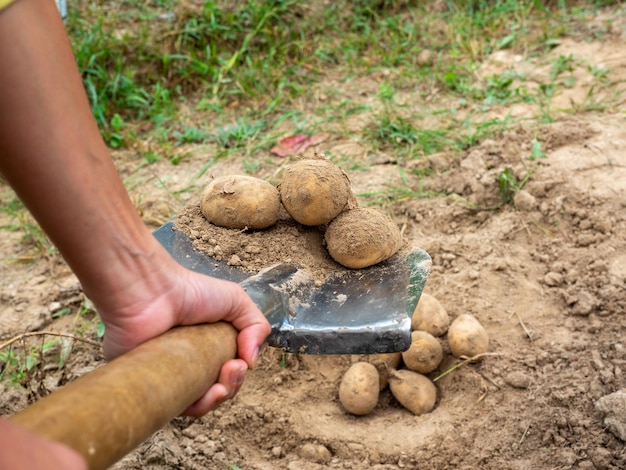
(52, 154)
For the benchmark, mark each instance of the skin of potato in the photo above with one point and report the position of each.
(430, 316)
(384, 363)
(362, 237)
(314, 191)
(416, 392)
(240, 202)
(467, 337)
(425, 353)
(359, 388)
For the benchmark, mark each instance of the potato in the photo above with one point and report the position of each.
(467, 337)
(315, 191)
(430, 316)
(414, 391)
(425, 353)
(359, 388)
(362, 237)
(384, 363)
(240, 202)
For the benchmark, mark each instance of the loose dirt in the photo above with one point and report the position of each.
(252, 250)
(545, 275)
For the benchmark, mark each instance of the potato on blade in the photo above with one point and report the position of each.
(315, 191)
(362, 237)
(240, 202)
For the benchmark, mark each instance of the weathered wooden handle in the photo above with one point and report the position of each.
(110, 411)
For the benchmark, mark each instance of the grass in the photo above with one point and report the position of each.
(34, 241)
(26, 357)
(139, 61)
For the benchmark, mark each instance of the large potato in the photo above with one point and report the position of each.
(314, 191)
(359, 388)
(467, 337)
(240, 202)
(362, 237)
(413, 391)
(430, 316)
(425, 353)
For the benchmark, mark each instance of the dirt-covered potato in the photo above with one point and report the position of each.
(359, 388)
(425, 353)
(414, 391)
(467, 337)
(240, 202)
(384, 363)
(430, 316)
(362, 237)
(314, 191)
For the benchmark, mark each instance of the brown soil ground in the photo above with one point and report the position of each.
(545, 275)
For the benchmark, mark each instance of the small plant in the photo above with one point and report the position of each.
(17, 364)
(509, 185)
(114, 136)
(22, 355)
(386, 92)
(190, 134)
(237, 135)
(560, 65)
(536, 152)
(394, 131)
(33, 237)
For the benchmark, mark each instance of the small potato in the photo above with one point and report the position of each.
(414, 391)
(430, 316)
(425, 353)
(359, 388)
(362, 237)
(467, 337)
(314, 191)
(384, 363)
(240, 202)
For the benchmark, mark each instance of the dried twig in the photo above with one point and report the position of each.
(44, 333)
(526, 330)
(465, 360)
(524, 434)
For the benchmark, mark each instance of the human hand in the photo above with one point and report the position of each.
(169, 296)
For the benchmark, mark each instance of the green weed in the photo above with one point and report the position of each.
(33, 238)
(536, 151)
(191, 134)
(16, 364)
(509, 185)
(239, 134)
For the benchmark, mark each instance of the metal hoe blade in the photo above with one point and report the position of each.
(365, 311)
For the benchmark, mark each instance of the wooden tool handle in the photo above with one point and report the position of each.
(110, 411)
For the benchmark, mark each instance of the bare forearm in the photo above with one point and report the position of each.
(52, 153)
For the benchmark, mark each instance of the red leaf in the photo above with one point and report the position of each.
(297, 143)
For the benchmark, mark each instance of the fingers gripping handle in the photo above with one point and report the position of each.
(110, 411)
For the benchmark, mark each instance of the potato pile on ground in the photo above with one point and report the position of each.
(314, 192)
(408, 373)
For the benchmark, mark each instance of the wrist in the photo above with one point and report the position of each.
(131, 267)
